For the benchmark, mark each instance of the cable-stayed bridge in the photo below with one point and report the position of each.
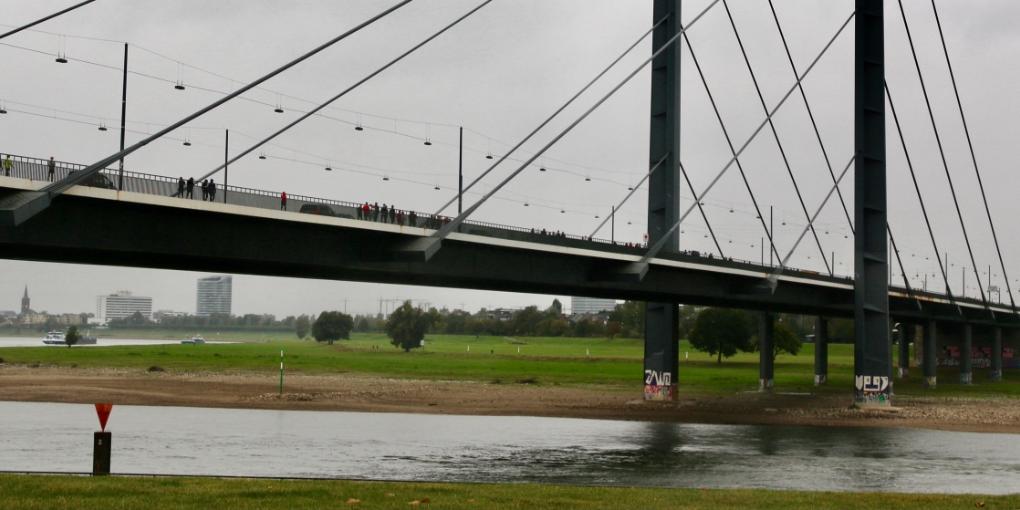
(102, 213)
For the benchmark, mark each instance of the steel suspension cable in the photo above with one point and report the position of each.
(20, 207)
(701, 208)
(899, 260)
(633, 189)
(733, 150)
(811, 115)
(550, 118)
(775, 135)
(942, 154)
(920, 198)
(973, 157)
(814, 217)
(333, 99)
(453, 224)
(45, 18)
(654, 249)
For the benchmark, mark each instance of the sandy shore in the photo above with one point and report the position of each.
(377, 394)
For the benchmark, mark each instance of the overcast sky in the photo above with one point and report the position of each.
(499, 74)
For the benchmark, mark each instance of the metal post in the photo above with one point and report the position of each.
(872, 360)
(281, 371)
(763, 251)
(930, 362)
(907, 332)
(612, 225)
(662, 320)
(966, 374)
(996, 373)
(821, 351)
(772, 235)
(460, 175)
(123, 119)
(832, 265)
(766, 369)
(226, 157)
(101, 449)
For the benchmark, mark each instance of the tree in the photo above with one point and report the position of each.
(332, 326)
(783, 340)
(721, 332)
(72, 336)
(556, 309)
(613, 328)
(301, 326)
(407, 326)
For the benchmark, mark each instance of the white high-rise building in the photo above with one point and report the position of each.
(122, 304)
(214, 295)
(587, 305)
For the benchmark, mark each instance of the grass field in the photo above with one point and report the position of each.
(83, 493)
(572, 361)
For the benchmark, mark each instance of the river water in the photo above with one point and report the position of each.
(179, 440)
(102, 342)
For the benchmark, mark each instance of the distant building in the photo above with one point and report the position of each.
(214, 295)
(122, 304)
(591, 306)
(26, 303)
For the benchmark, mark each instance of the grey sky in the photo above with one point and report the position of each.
(499, 74)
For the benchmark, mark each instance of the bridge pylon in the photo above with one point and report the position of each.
(662, 320)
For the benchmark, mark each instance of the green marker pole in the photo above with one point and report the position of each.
(281, 372)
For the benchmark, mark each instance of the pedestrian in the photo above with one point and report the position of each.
(53, 167)
(366, 210)
(412, 219)
(400, 218)
(7, 166)
(385, 213)
(191, 187)
(205, 190)
(283, 200)
(375, 212)
(361, 215)
(393, 214)
(212, 190)
(180, 187)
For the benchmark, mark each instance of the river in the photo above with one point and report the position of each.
(394, 446)
(102, 342)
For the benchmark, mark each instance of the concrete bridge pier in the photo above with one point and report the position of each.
(766, 368)
(821, 351)
(966, 373)
(907, 333)
(995, 374)
(929, 362)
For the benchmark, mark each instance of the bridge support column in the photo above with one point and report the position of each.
(821, 351)
(662, 320)
(995, 374)
(766, 367)
(872, 346)
(929, 361)
(907, 332)
(966, 373)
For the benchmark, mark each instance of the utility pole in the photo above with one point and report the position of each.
(123, 119)
(772, 236)
(612, 225)
(460, 174)
(226, 159)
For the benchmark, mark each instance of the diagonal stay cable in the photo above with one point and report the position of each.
(654, 249)
(550, 118)
(633, 189)
(733, 149)
(903, 272)
(775, 135)
(453, 224)
(17, 208)
(920, 198)
(942, 154)
(45, 18)
(701, 208)
(811, 115)
(814, 217)
(973, 157)
(333, 99)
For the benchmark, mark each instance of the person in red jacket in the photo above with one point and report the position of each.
(283, 201)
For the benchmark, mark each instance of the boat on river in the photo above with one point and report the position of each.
(195, 340)
(60, 338)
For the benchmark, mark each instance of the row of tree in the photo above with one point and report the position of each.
(406, 326)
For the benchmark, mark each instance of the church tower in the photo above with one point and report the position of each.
(25, 302)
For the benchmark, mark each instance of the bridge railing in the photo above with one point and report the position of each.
(37, 169)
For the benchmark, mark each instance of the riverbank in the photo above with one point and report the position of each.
(25, 492)
(369, 393)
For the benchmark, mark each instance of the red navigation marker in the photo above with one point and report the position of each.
(103, 410)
